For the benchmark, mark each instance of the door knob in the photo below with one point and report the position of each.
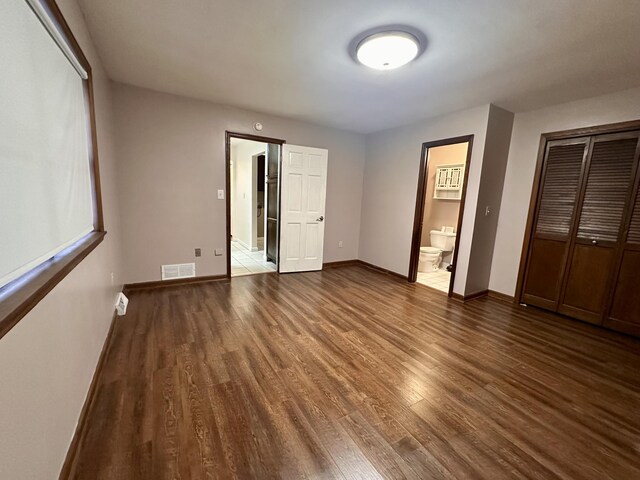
(594, 242)
(320, 218)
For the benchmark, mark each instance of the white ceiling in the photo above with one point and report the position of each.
(291, 58)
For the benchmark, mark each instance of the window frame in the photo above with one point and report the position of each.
(21, 295)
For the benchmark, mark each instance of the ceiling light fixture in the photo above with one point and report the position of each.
(388, 50)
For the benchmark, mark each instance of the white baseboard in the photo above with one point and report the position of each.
(242, 243)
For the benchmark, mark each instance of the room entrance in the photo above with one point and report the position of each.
(252, 204)
(438, 215)
(275, 205)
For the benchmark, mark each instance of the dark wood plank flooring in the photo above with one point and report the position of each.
(350, 373)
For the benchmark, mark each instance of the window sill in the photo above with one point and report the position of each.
(20, 296)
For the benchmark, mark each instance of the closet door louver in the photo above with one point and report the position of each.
(560, 189)
(607, 189)
(594, 251)
(634, 228)
(555, 216)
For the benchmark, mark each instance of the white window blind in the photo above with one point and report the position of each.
(46, 195)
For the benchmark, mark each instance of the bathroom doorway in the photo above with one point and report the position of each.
(252, 204)
(442, 186)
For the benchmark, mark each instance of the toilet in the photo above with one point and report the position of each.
(442, 241)
(430, 258)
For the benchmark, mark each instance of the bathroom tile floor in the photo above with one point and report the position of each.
(246, 262)
(438, 279)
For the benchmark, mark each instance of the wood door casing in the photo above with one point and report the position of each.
(273, 143)
(555, 214)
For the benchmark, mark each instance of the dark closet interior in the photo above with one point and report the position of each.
(583, 257)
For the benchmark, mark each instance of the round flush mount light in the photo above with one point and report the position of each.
(388, 49)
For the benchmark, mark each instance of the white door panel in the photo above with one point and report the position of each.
(304, 185)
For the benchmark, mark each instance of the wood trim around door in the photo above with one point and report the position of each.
(535, 190)
(420, 203)
(227, 167)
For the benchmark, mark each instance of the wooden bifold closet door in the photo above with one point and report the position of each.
(553, 228)
(625, 309)
(584, 254)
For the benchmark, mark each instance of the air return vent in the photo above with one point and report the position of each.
(182, 270)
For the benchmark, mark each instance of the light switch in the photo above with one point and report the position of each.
(220, 194)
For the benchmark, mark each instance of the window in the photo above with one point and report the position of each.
(50, 215)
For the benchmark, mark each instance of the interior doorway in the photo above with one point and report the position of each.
(253, 197)
(442, 186)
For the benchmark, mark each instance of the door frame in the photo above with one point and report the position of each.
(545, 138)
(227, 152)
(421, 200)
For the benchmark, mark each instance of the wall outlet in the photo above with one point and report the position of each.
(113, 278)
(340, 244)
(220, 194)
(198, 252)
(121, 304)
(219, 252)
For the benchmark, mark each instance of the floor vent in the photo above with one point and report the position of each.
(182, 270)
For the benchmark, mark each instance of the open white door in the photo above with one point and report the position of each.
(303, 190)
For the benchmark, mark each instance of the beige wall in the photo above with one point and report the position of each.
(527, 128)
(494, 165)
(390, 186)
(48, 359)
(438, 213)
(171, 162)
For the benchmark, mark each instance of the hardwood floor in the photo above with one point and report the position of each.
(350, 373)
